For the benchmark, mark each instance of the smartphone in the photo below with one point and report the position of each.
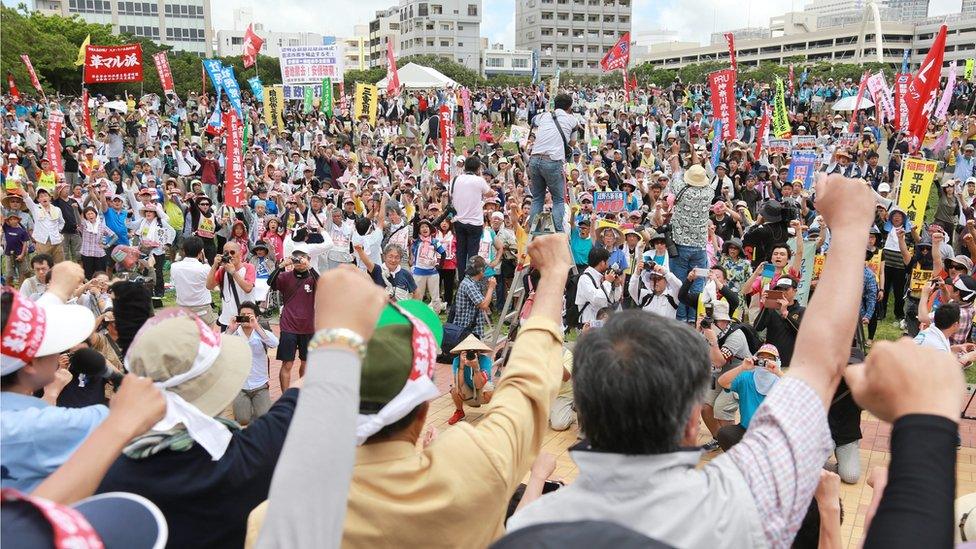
(701, 272)
(772, 299)
(769, 271)
(242, 319)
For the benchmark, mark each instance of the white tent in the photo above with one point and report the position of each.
(414, 76)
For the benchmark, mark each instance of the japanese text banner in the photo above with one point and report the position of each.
(916, 182)
(722, 84)
(113, 63)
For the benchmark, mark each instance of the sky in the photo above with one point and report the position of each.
(693, 20)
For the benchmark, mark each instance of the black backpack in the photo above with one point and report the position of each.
(752, 336)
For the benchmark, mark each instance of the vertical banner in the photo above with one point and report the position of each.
(12, 86)
(792, 88)
(901, 108)
(325, 101)
(308, 96)
(33, 75)
(466, 110)
(969, 69)
(257, 89)
(53, 148)
(234, 180)
(916, 183)
(943, 109)
(857, 102)
(881, 96)
(364, 104)
(762, 132)
(781, 119)
(233, 89)
(392, 76)
(86, 114)
(722, 85)
(802, 166)
(554, 90)
(274, 105)
(213, 68)
(447, 141)
(806, 271)
(535, 67)
(165, 74)
(342, 96)
(730, 38)
(717, 143)
(904, 61)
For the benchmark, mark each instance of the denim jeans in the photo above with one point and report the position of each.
(547, 174)
(467, 238)
(688, 258)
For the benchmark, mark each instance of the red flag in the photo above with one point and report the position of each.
(165, 74)
(633, 83)
(791, 79)
(13, 87)
(33, 75)
(55, 121)
(85, 114)
(920, 97)
(626, 87)
(762, 131)
(619, 55)
(252, 45)
(857, 102)
(447, 142)
(392, 78)
(730, 38)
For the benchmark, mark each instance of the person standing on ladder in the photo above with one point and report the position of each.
(550, 152)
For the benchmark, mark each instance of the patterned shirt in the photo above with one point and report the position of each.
(467, 315)
(965, 324)
(689, 221)
(781, 456)
(869, 298)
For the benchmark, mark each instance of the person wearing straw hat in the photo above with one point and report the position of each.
(16, 242)
(693, 196)
(36, 437)
(611, 238)
(472, 376)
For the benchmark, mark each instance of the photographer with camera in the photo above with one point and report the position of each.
(654, 288)
(751, 381)
(781, 316)
(599, 286)
(254, 399)
(728, 347)
(472, 376)
(235, 280)
(295, 279)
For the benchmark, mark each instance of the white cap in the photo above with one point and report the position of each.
(884, 188)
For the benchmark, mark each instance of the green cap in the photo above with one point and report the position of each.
(389, 353)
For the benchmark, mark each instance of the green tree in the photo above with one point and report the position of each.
(698, 72)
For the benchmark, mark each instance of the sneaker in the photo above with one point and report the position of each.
(458, 416)
(711, 446)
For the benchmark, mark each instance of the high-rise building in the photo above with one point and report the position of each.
(910, 10)
(969, 7)
(183, 24)
(448, 28)
(741, 35)
(384, 28)
(570, 34)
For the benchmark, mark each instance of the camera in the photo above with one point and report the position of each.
(470, 355)
(242, 319)
(225, 260)
(761, 363)
(706, 322)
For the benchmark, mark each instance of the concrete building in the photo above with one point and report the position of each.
(498, 60)
(230, 43)
(969, 7)
(448, 28)
(570, 34)
(183, 24)
(838, 44)
(910, 10)
(355, 55)
(794, 22)
(384, 28)
(742, 35)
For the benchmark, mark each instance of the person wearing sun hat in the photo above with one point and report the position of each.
(191, 459)
(472, 376)
(35, 436)
(751, 381)
(610, 237)
(693, 196)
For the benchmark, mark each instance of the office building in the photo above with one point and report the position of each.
(355, 55)
(183, 24)
(230, 43)
(497, 61)
(741, 35)
(570, 34)
(838, 44)
(448, 28)
(384, 28)
(910, 10)
(969, 7)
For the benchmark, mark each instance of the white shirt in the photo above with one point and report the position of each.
(372, 244)
(934, 338)
(548, 142)
(597, 296)
(47, 222)
(642, 288)
(189, 278)
(258, 375)
(467, 197)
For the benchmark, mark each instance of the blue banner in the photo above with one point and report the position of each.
(802, 165)
(904, 62)
(215, 122)
(717, 144)
(213, 68)
(233, 90)
(535, 67)
(257, 88)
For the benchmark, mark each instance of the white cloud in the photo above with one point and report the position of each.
(326, 18)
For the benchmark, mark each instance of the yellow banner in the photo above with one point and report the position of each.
(875, 265)
(969, 69)
(364, 104)
(916, 183)
(818, 265)
(919, 278)
(274, 106)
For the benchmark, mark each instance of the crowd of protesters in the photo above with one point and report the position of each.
(141, 312)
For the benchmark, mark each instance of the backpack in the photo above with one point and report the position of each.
(752, 336)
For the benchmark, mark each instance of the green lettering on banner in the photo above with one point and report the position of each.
(309, 97)
(781, 119)
(325, 102)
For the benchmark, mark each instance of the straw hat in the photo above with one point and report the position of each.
(470, 343)
(604, 225)
(695, 176)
